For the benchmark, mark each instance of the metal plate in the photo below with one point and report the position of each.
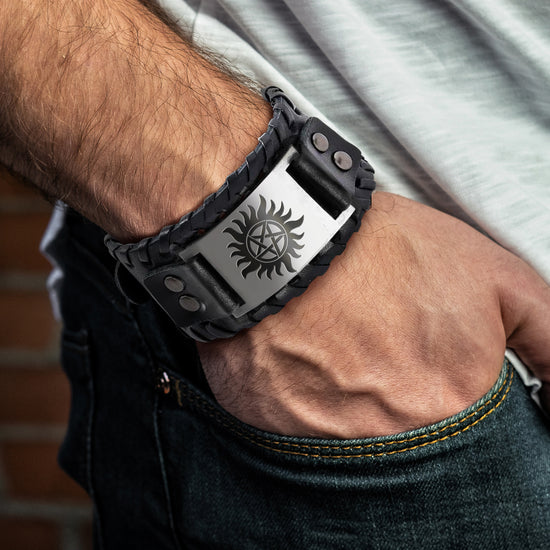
(260, 246)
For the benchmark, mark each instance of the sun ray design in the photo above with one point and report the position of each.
(265, 241)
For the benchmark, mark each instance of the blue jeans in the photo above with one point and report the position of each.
(168, 468)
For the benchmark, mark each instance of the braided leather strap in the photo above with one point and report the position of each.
(156, 250)
(157, 260)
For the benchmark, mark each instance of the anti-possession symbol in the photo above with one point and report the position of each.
(264, 240)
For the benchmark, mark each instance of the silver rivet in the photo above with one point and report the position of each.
(164, 383)
(320, 142)
(173, 284)
(189, 303)
(342, 160)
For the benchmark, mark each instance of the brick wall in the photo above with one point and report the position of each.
(41, 508)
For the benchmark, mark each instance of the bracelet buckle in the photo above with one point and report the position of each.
(251, 254)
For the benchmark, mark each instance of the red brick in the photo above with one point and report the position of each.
(21, 233)
(28, 534)
(10, 186)
(26, 320)
(32, 472)
(33, 395)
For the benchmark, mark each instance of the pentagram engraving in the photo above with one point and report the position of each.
(264, 240)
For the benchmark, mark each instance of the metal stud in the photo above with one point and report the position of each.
(342, 160)
(173, 284)
(320, 142)
(164, 383)
(189, 303)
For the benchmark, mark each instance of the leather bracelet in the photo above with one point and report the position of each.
(272, 227)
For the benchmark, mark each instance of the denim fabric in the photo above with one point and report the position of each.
(167, 468)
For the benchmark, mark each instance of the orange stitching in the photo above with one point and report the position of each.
(385, 443)
(268, 443)
(458, 432)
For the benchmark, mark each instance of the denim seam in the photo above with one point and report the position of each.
(388, 453)
(271, 444)
(79, 342)
(164, 473)
(159, 450)
(90, 459)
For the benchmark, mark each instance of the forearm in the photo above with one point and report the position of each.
(108, 108)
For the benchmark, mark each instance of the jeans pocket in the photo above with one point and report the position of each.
(75, 452)
(465, 482)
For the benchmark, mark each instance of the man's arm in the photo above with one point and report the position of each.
(105, 106)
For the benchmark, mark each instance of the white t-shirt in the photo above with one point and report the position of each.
(448, 100)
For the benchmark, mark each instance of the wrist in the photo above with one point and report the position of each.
(192, 168)
(259, 240)
(189, 127)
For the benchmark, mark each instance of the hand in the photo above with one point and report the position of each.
(408, 326)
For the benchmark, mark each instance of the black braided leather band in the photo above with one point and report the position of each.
(159, 262)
